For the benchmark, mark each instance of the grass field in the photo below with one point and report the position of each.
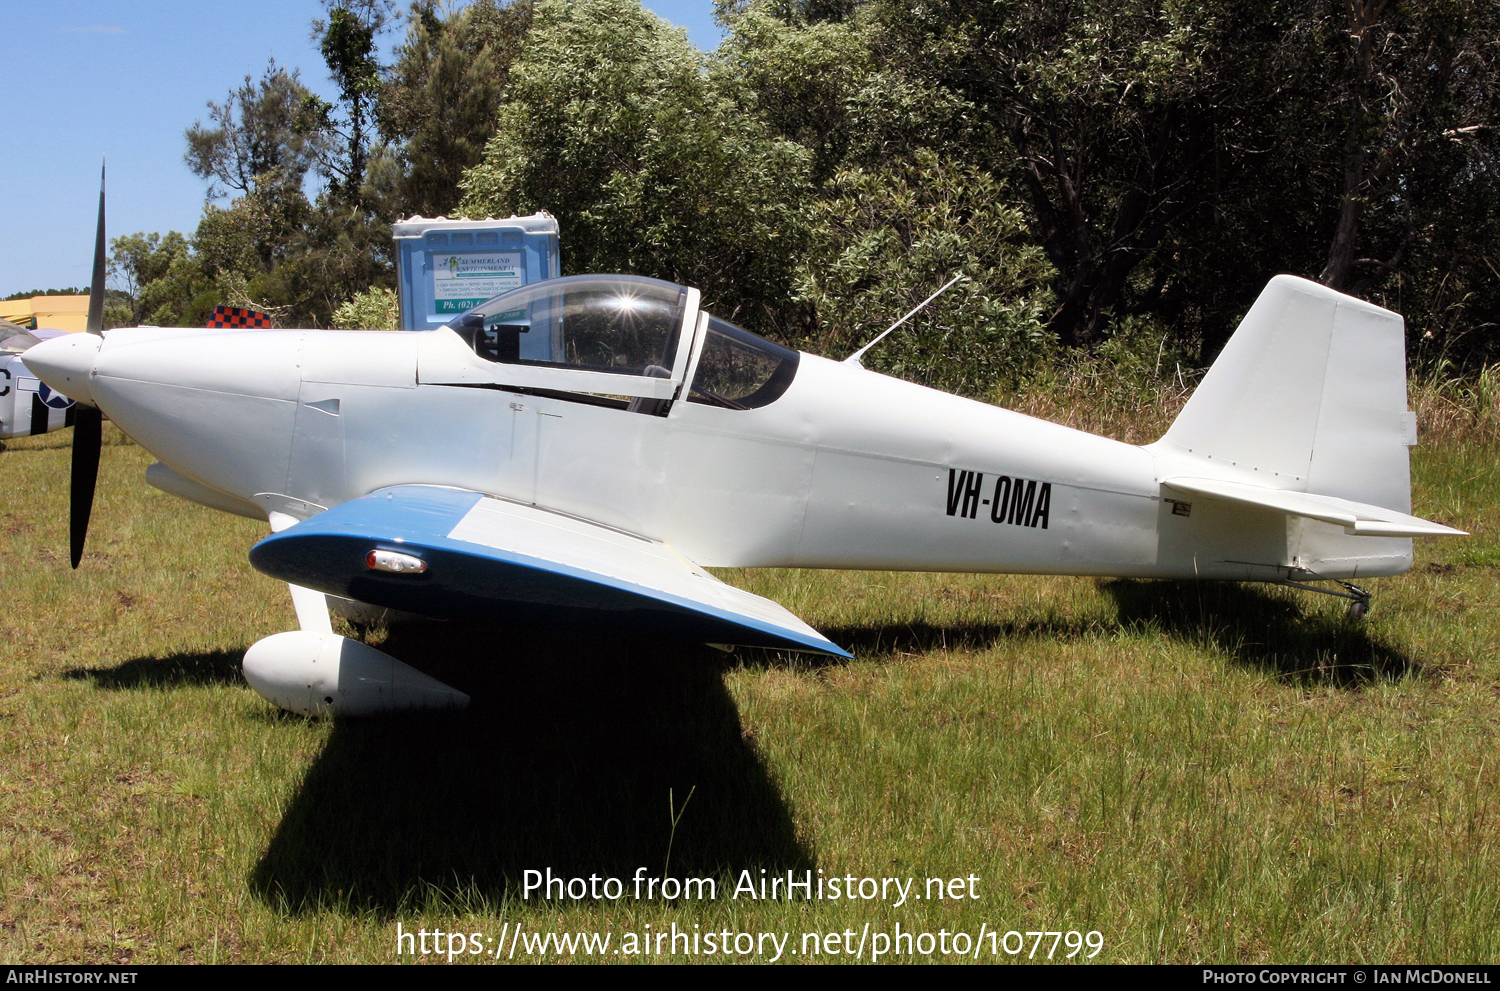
(1199, 773)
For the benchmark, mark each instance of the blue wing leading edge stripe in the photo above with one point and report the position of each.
(472, 581)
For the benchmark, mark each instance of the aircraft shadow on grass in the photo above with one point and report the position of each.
(573, 744)
(214, 667)
(1262, 628)
(566, 758)
(919, 637)
(1258, 626)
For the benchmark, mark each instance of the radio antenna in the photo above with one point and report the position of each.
(853, 359)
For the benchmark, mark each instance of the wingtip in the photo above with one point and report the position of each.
(830, 649)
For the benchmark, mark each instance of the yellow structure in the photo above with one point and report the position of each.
(68, 313)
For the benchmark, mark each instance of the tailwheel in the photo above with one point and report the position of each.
(1359, 601)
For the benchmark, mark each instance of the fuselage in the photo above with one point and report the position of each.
(28, 407)
(846, 469)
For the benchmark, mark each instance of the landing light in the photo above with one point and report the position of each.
(395, 562)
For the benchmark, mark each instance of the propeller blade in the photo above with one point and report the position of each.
(88, 431)
(88, 422)
(95, 323)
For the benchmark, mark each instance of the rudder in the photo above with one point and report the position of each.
(1310, 395)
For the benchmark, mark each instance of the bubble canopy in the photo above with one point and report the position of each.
(627, 325)
(610, 323)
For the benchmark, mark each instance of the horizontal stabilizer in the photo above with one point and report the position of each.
(1357, 518)
(458, 554)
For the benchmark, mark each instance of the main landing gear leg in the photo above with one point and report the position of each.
(1359, 599)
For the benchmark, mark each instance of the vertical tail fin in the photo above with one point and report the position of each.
(1309, 395)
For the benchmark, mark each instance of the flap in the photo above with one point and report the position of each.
(488, 559)
(1357, 518)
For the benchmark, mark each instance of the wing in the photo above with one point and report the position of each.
(484, 558)
(1357, 518)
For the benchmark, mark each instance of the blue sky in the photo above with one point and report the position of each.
(122, 79)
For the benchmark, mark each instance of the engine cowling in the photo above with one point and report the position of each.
(324, 674)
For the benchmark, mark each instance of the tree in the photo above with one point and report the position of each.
(139, 260)
(800, 79)
(375, 309)
(438, 103)
(343, 250)
(1165, 156)
(163, 279)
(610, 123)
(1117, 121)
(834, 77)
(1403, 80)
(884, 241)
(1365, 159)
(1170, 155)
(1402, 111)
(253, 141)
(347, 42)
(269, 247)
(258, 153)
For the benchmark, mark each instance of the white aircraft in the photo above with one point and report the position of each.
(578, 450)
(27, 406)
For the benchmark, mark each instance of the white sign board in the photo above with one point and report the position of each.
(461, 282)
